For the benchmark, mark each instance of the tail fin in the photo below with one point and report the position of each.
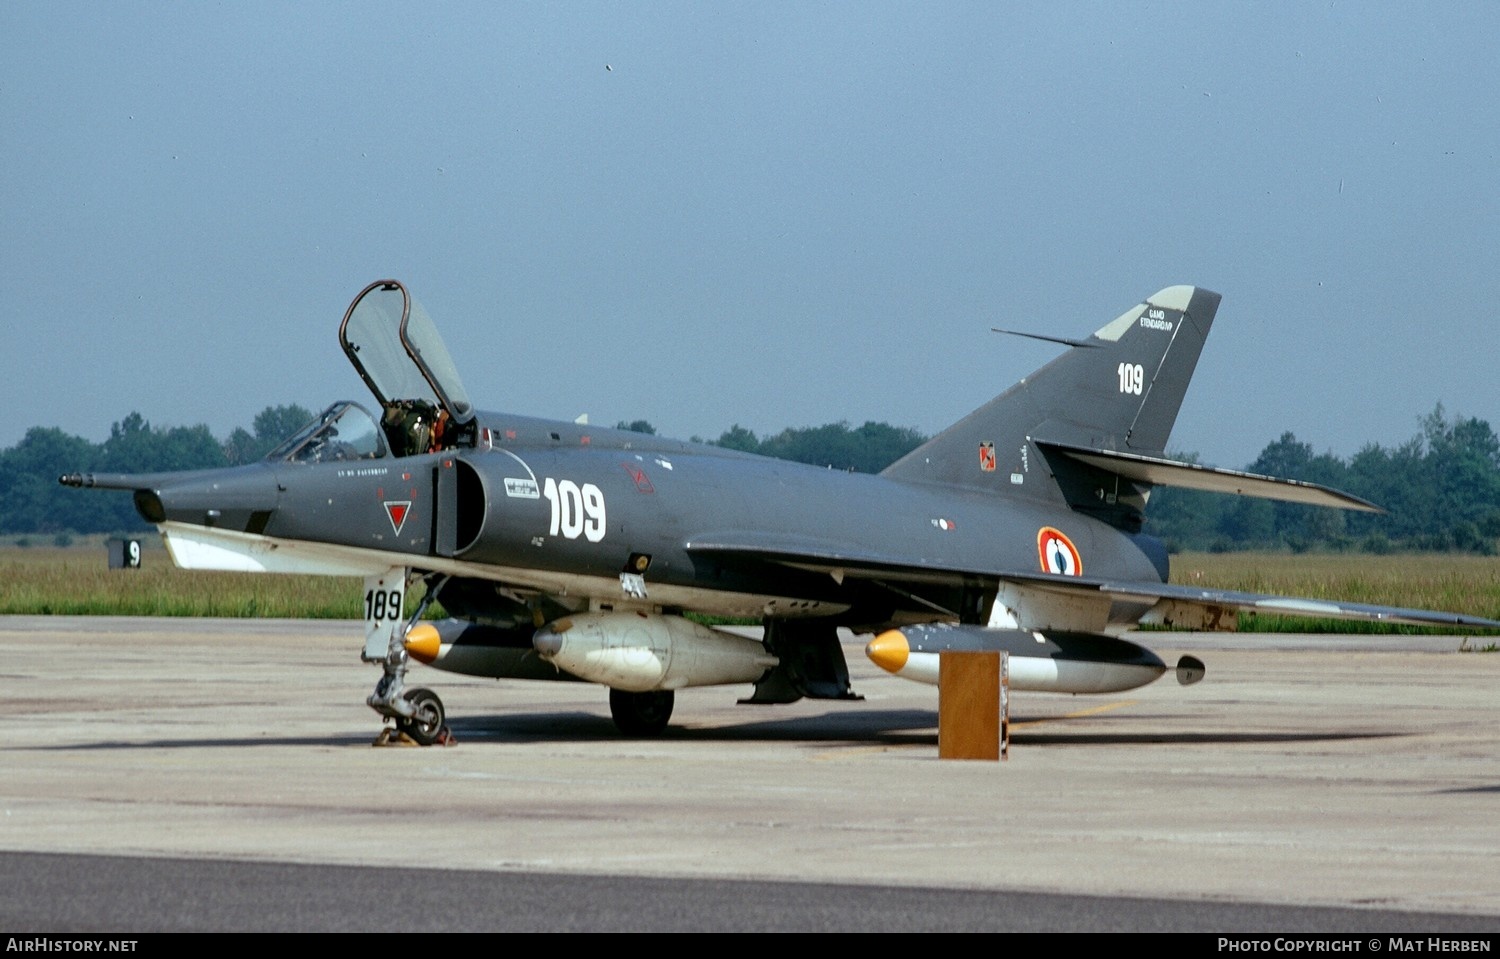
(1118, 390)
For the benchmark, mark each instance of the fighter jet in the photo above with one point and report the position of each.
(563, 551)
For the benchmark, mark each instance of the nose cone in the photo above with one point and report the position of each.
(240, 498)
(889, 651)
(424, 643)
(200, 497)
(548, 641)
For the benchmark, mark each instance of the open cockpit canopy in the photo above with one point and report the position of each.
(396, 350)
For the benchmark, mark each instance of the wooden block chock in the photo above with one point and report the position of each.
(973, 705)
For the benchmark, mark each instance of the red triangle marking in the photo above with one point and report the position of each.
(397, 513)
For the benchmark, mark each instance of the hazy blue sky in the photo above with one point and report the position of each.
(766, 214)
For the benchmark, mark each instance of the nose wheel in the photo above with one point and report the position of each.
(425, 725)
(418, 712)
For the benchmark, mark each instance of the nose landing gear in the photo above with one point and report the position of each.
(417, 713)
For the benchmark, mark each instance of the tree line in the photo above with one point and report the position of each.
(32, 502)
(1441, 488)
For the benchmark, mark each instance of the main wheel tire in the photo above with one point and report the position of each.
(426, 724)
(640, 714)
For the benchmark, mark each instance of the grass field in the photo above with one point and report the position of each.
(77, 580)
(46, 580)
(1453, 582)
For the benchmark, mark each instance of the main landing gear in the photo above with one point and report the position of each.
(640, 714)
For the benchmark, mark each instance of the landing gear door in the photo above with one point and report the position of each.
(395, 347)
(385, 622)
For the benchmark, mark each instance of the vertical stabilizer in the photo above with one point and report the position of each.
(1119, 389)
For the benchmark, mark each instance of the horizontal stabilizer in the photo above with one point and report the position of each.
(1164, 472)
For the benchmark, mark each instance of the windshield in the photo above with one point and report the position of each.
(344, 431)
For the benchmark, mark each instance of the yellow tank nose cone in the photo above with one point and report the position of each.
(889, 651)
(423, 642)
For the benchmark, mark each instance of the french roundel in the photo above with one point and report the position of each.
(1057, 553)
